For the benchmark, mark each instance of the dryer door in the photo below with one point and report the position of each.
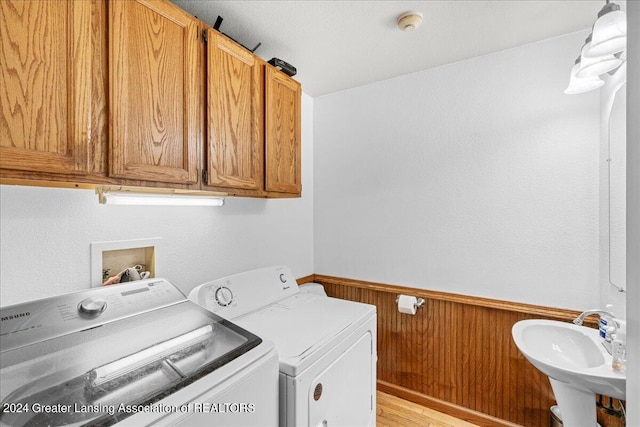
(341, 394)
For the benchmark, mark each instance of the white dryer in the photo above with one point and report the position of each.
(134, 354)
(326, 346)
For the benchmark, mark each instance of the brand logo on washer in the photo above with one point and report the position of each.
(15, 316)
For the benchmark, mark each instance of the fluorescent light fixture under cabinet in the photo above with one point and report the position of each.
(134, 196)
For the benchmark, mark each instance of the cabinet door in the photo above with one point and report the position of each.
(45, 95)
(153, 91)
(282, 118)
(234, 115)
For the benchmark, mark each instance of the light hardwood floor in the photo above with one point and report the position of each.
(392, 411)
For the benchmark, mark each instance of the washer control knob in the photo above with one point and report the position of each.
(224, 297)
(283, 278)
(92, 306)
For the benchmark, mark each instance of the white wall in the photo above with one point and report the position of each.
(45, 234)
(479, 178)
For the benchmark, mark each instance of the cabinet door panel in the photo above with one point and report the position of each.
(234, 125)
(282, 117)
(45, 98)
(154, 75)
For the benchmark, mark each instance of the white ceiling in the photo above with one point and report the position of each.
(337, 45)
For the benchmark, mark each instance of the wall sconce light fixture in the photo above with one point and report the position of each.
(604, 50)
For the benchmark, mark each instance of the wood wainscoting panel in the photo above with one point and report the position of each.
(456, 355)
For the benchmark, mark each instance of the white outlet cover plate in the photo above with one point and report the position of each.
(98, 247)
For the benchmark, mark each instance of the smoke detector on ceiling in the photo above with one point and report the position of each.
(409, 21)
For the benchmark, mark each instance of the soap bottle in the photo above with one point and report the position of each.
(619, 351)
(606, 328)
(602, 326)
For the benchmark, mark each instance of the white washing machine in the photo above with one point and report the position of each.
(327, 346)
(134, 354)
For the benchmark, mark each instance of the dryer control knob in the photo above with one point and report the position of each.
(224, 297)
(92, 306)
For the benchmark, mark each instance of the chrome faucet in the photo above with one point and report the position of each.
(611, 329)
(578, 320)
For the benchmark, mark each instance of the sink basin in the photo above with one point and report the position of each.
(569, 353)
(576, 362)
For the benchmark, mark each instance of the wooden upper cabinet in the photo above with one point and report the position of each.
(45, 97)
(126, 92)
(154, 76)
(282, 118)
(235, 129)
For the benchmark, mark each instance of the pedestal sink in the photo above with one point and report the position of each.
(576, 362)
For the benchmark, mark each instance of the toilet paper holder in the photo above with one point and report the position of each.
(419, 303)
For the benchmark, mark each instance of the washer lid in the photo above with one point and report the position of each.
(148, 342)
(304, 326)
